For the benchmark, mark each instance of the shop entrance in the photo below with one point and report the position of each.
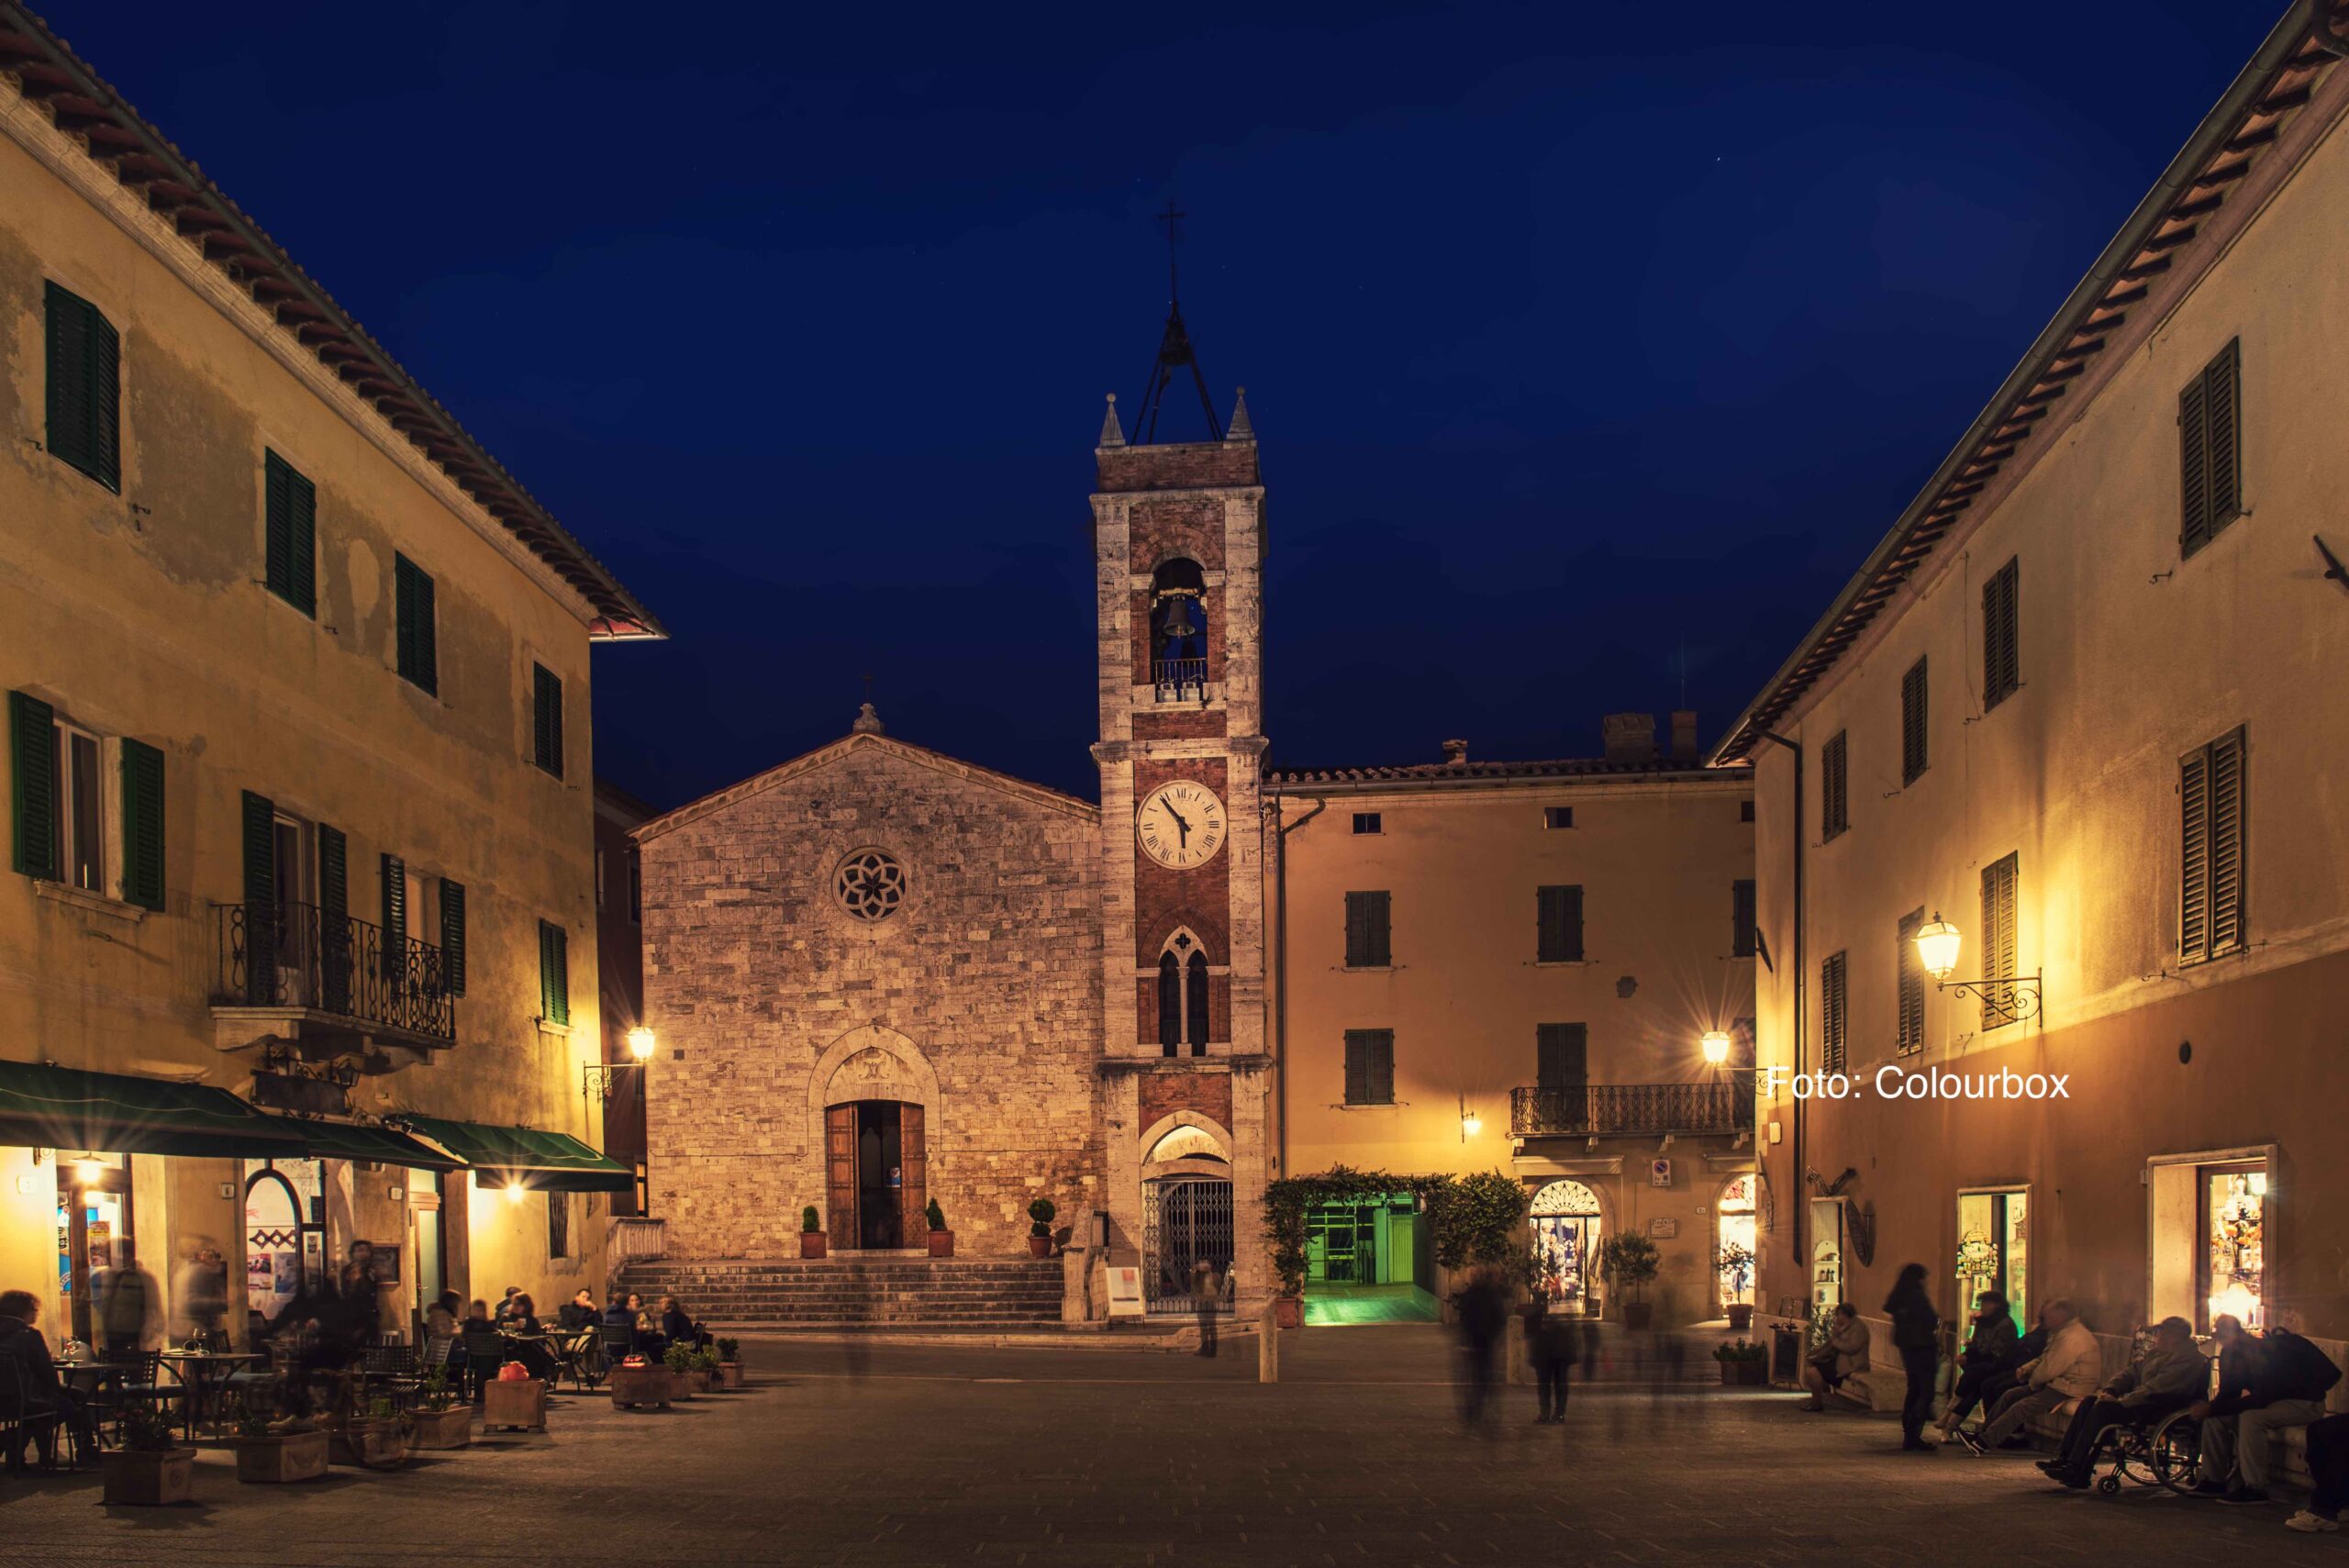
(1994, 1249)
(876, 1175)
(1565, 1225)
(1366, 1261)
(93, 1233)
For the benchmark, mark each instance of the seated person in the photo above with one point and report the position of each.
(2169, 1376)
(440, 1317)
(526, 1340)
(651, 1343)
(2273, 1381)
(45, 1391)
(2068, 1368)
(677, 1326)
(2328, 1468)
(1984, 1357)
(1845, 1352)
(579, 1312)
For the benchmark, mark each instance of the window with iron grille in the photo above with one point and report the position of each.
(1832, 1000)
(1558, 920)
(1998, 950)
(2210, 451)
(1562, 1056)
(1912, 724)
(1834, 787)
(1368, 938)
(1741, 917)
(1370, 1067)
(1912, 985)
(2212, 791)
(2002, 634)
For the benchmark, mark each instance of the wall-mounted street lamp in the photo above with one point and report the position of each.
(599, 1078)
(1471, 1124)
(1716, 1045)
(515, 1191)
(1938, 942)
(89, 1169)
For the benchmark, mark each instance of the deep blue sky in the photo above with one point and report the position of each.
(1575, 334)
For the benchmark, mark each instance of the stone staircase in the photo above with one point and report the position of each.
(851, 1293)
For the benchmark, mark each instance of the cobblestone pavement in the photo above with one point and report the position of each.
(927, 1454)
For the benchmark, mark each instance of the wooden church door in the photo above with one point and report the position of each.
(913, 1163)
(840, 1174)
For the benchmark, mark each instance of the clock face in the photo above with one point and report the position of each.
(1181, 825)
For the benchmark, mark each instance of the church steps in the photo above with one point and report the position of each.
(894, 1293)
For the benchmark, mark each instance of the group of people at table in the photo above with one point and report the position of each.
(576, 1336)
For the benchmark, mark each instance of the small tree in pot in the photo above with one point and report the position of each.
(1627, 1261)
(149, 1469)
(1040, 1233)
(729, 1363)
(942, 1241)
(1735, 1264)
(440, 1421)
(811, 1233)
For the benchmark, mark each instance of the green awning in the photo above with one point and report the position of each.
(114, 1113)
(383, 1145)
(525, 1156)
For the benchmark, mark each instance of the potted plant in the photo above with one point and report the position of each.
(149, 1469)
(942, 1241)
(271, 1453)
(1735, 1262)
(636, 1381)
(683, 1381)
(1628, 1261)
(706, 1369)
(514, 1399)
(368, 1437)
(729, 1363)
(1745, 1363)
(811, 1233)
(441, 1421)
(1040, 1234)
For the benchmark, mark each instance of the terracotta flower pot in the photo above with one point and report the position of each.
(282, 1457)
(150, 1479)
(521, 1404)
(1288, 1312)
(729, 1375)
(1740, 1317)
(634, 1386)
(368, 1441)
(941, 1243)
(451, 1427)
(811, 1243)
(1040, 1246)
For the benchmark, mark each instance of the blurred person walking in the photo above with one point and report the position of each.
(1915, 1331)
(1484, 1316)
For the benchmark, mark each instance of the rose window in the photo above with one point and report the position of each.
(870, 885)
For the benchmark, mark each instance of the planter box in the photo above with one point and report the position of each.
(634, 1386)
(1740, 1317)
(149, 1480)
(811, 1243)
(1288, 1312)
(282, 1457)
(368, 1441)
(1746, 1374)
(729, 1375)
(452, 1427)
(697, 1381)
(521, 1404)
(1040, 1246)
(941, 1243)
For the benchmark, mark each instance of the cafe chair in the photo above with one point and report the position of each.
(19, 1422)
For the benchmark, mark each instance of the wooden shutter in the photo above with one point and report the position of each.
(1834, 787)
(335, 964)
(1380, 1069)
(2210, 449)
(84, 387)
(143, 825)
(839, 1171)
(2000, 951)
(289, 531)
(395, 874)
(32, 771)
(2002, 634)
(2226, 843)
(2194, 465)
(1170, 1005)
(1357, 1069)
(1196, 1006)
(1912, 723)
(2194, 879)
(418, 646)
(1368, 944)
(913, 1175)
(453, 936)
(546, 716)
(1558, 922)
(1741, 917)
(2213, 807)
(1831, 1015)
(554, 972)
(262, 914)
(1562, 1054)
(1911, 967)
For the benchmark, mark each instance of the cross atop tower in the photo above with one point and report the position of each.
(1174, 350)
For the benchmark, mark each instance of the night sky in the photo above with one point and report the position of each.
(1591, 346)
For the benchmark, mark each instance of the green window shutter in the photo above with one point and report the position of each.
(1912, 723)
(335, 959)
(84, 387)
(554, 972)
(2002, 634)
(290, 533)
(259, 822)
(1562, 1056)
(334, 871)
(302, 531)
(394, 876)
(143, 825)
(418, 644)
(546, 714)
(32, 769)
(453, 936)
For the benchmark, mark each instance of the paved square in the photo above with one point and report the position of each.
(1096, 1457)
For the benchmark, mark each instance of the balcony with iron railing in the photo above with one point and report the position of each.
(1599, 1110)
(340, 974)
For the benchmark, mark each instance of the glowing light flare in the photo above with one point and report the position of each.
(640, 1043)
(1716, 1044)
(1937, 945)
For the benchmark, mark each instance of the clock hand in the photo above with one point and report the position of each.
(1182, 824)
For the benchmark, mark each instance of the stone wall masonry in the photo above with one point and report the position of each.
(987, 982)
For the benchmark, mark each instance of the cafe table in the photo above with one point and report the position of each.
(204, 1373)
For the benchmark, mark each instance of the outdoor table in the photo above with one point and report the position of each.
(89, 1379)
(204, 1373)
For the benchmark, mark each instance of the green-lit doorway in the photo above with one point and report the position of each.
(1368, 1262)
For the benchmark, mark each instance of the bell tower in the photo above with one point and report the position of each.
(1178, 532)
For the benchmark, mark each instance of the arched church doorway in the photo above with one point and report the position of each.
(1186, 1221)
(876, 1173)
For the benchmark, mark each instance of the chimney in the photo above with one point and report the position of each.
(1683, 735)
(1630, 737)
(1455, 753)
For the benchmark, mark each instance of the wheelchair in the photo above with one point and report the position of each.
(2168, 1453)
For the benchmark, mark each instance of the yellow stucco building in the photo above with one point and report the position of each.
(298, 770)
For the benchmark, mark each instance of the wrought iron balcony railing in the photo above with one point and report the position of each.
(1178, 679)
(298, 955)
(1726, 1105)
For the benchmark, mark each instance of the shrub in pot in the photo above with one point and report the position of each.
(705, 1369)
(441, 1419)
(1040, 1233)
(149, 1469)
(942, 1241)
(370, 1438)
(729, 1363)
(681, 1362)
(811, 1233)
(274, 1453)
(1743, 1362)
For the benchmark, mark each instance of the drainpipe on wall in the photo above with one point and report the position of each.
(1281, 831)
(1801, 1205)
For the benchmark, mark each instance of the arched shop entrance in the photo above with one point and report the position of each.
(1565, 1223)
(1733, 1229)
(284, 1232)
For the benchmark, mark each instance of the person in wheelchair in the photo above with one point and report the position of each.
(2170, 1376)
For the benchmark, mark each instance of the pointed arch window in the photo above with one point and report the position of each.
(1183, 997)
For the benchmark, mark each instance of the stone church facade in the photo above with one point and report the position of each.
(883, 977)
